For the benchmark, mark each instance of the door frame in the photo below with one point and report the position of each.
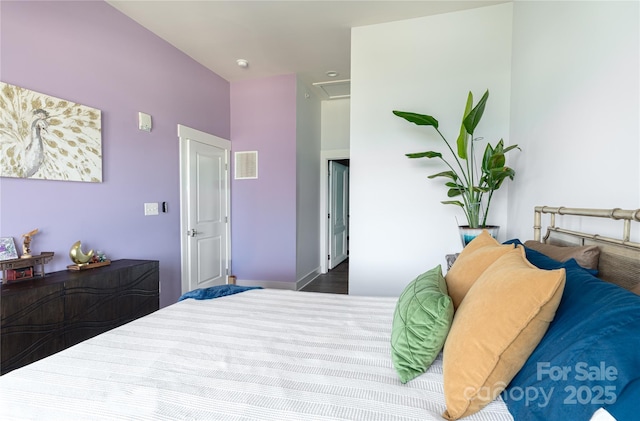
(325, 157)
(185, 136)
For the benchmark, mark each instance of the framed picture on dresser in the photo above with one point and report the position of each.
(8, 248)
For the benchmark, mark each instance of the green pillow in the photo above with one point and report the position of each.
(421, 322)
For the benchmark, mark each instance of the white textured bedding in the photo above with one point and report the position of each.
(257, 355)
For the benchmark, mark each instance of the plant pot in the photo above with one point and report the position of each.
(467, 234)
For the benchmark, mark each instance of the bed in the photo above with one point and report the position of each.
(266, 354)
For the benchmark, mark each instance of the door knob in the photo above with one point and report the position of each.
(192, 232)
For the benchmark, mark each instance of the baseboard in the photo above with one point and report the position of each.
(293, 286)
(306, 280)
(267, 284)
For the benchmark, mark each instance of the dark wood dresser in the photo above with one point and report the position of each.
(42, 316)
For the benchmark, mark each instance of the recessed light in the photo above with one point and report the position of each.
(242, 63)
(332, 73)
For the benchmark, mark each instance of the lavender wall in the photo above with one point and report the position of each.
(90, 53)
(263, 210)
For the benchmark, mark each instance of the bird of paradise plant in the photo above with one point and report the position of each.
(465, 178)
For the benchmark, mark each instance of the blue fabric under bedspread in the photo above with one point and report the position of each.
(215, 292)
(588, 359)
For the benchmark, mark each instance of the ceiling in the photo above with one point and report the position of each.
(309, 37)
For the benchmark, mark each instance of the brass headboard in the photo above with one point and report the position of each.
(619, 258)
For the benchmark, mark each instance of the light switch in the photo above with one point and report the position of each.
(151, 209)
(144, 122)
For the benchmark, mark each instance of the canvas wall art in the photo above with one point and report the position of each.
(8, 249)
(48, 138)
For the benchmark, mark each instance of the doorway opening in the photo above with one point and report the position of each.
(334, 223)
(340, 156)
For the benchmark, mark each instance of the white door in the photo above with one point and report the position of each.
(339, 213)
(204, 216)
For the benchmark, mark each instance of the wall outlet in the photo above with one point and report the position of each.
(151, 209)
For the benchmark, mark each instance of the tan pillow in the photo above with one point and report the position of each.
(478, 255)
(586, 256)
(496, 328)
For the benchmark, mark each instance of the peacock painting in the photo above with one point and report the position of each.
(48, 138)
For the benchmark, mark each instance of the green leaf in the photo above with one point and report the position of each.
(503, 172)
(473, 118)
(447, 174)
(454, 185)
(463, 139)
(498, 175)
(455, 192)
(495, 160)
(486, 158)
(509, 148)
(428, 154)
(419, 119)
(453, 202)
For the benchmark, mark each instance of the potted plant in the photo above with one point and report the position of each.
(467, 181)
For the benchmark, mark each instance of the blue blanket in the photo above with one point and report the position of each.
(587, 359)
(214, 292)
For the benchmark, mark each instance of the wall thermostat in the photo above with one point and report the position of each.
(144, 122)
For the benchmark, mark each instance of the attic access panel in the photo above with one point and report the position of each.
(335, 89)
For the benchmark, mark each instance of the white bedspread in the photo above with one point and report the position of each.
(258, 355)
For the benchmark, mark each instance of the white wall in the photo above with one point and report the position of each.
(399, 229)
(307, 183)
(575, 110)
(335, 135)
(335, 124)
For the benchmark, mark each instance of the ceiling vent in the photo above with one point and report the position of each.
(246, 165)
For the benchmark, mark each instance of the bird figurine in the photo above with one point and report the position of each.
(26, 243)
(34, 152)
(77, 256)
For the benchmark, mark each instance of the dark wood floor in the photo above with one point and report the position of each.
(336, 281)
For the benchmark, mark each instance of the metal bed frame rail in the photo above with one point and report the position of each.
(626, 215)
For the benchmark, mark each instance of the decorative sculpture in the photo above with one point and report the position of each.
(26, 243)
(77, 256)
